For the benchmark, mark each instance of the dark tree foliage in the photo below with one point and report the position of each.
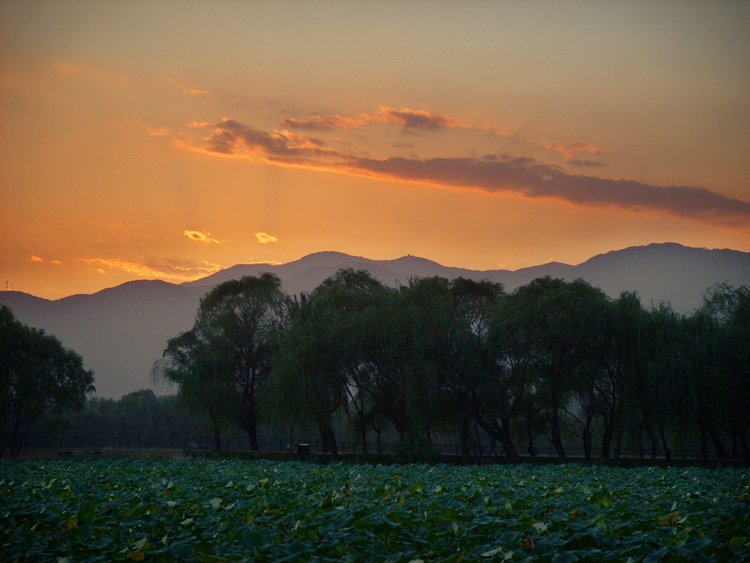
(410, 351)
(731, 310)
(223, 362)
(320, 368)
(140, 419)
(623, 368)
(476, 384)
(555, 334)
(39, 379)
(554, 362)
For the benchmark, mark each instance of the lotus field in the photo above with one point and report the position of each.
(210, 511)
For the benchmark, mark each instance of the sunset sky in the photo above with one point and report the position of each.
(170, 139)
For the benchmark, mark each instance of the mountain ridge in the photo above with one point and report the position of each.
(120, 331)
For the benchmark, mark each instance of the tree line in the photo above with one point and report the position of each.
(40, 379)
(553, 360)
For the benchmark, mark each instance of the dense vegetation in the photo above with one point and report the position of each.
(39, 379)
(554, 365)
(213, 512)
(553, 360)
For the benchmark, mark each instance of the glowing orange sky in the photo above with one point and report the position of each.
(168, 140)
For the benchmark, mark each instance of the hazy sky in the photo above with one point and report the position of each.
(169, 139)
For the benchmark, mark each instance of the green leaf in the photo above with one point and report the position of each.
(602, 498)
(141, 544)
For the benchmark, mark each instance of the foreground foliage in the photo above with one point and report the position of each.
(211, 511)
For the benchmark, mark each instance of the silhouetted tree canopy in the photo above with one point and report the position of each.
(553, 361)
(223, 362)
(39, 379)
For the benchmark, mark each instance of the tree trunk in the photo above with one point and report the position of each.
(327, 438)
(332, 442)
(607, 435)
(554, 431)
(478, 438)
(17, 436)
(503, 435)
(323, 431)
(217, 437)
(532, 437)
(364, 438)
(653, 440)
(465, 436)
(665, 444)
(716, 439)
(251, 429)
(586, 436)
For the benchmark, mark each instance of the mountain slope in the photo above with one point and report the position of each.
(121, 331)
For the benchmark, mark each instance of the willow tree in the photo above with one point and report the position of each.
(321, 369)
(474, 366)
(555, 332)
(410, 350)
(730, 308)
(221, 364)
(625, 360)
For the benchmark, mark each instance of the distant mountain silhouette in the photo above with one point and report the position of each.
(121, 331)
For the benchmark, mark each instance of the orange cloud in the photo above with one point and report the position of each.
(265, 238)
(495, 131)
(55, 262)
(570, 152)
(493, 174)
(300, 140)
(35, 258)
(326, 122)
(584, 147)
(232, 138)
(189, 91)
(201, 236)
(157, 132)
(198, 124)
(417, 119)
(410, 119)
(196, 92)
(163, 268)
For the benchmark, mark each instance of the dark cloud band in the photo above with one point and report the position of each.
(496, 174)
(543, 181)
